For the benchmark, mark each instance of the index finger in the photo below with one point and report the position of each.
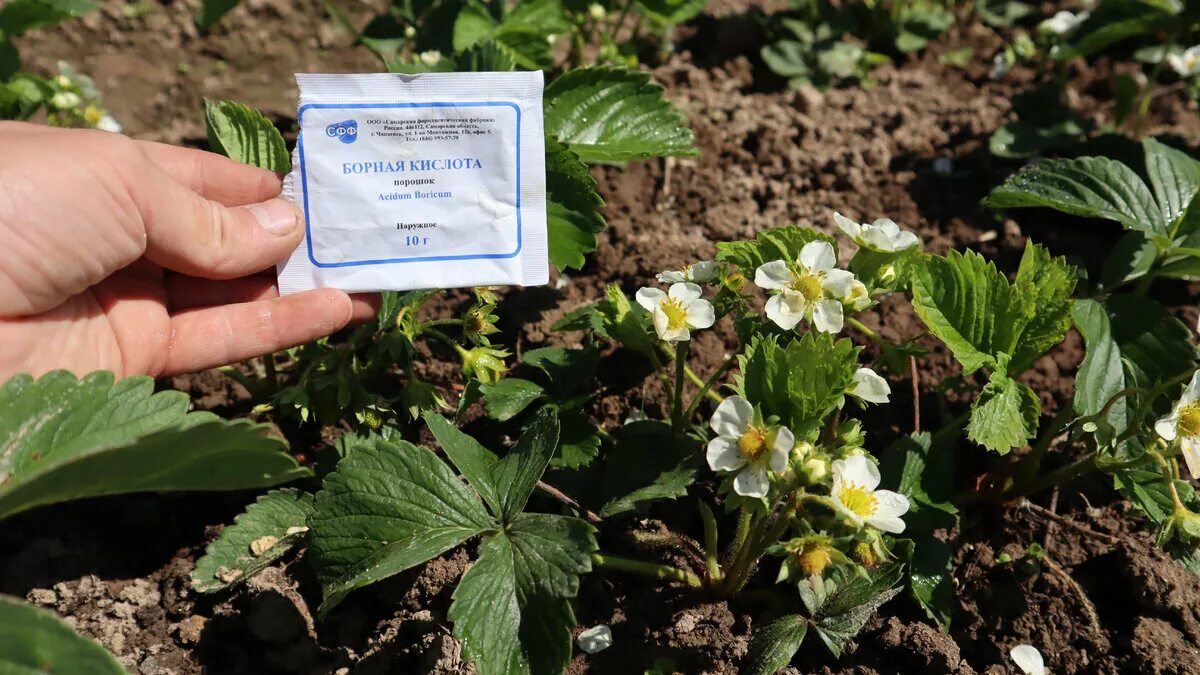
(214, 176)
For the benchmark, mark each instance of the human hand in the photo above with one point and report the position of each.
(143, 258)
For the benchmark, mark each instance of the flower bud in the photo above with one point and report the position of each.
(65, 100)
(814, 471)
(864, 554)
(597, 11)
(735, 281)
(485, 364)
(410, 32)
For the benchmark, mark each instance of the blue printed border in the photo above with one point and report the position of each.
(387, 261)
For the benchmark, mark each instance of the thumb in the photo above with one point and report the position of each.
(192, 235)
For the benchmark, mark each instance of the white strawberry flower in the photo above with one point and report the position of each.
(678, 311)
(108, 123)
(746, 445)
(700, 272)
(1062, 22)
(869, 386)
(813, 290)
(883, 235)
(1184, 424)
(430, 58)
(854, 481)
(1029, 660)
(1186, 64)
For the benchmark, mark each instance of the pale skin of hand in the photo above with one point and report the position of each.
(145, 259)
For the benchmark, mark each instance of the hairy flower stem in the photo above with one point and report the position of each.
(871, 335)
(763, 535)
(691, 375)
(648, 569)
(711, 556)
(272, 377)
(1171, 472)
(707, 387)
(681, 354)
(1059, 475)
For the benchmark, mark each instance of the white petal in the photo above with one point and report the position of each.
(1192, 392)
(859, 470)
(773, 275)
(732, 417)
(870, 387)
(905, 240)
(1167, 426)
(649, 298)
(700, 314)
(887, 226)
(1028, 659)
(781, 449)
(685, 292)
(847, 226)
(705, 270)
(838, 283)
(662, 323)
(786, 309)
(827, 316)
(817, 256)
(890, 504)
(670, 277)
(752, 481)
(877, 239)
(723, 455)
(1177, 64)
(1191, 455)
(595, 639)
(681, 334)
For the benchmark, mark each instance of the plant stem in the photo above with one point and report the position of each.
(681, 354)
(711, 544)
(687, 370)
(743, 530)
(862, 328)
(707, 386)
(648, 569)
(269, 369)
(1034, 458)
(1059, 475)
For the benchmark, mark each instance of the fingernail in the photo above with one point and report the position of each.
(276, 216)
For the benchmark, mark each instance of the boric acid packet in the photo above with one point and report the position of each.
(419, 181)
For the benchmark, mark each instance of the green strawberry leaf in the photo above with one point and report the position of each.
(20, 16)
(517, 474)
(510, 609)
(1004, 415)
(613, 115)
(579, 442)
(269, 528)
(801, 382)
(779, 243)
(34, 640)
(969, 305)
(568, 369)
(573, 215)
(211, 12)
(508, 397)
(62, 438)
(242, 133)
(1045, 283)
(847, 607)
(773, 646)
(1092, 187)
(1176, 180)
(387, 508)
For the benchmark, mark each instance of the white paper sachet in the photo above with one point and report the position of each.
(419, 181)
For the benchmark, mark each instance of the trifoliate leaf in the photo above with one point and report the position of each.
(62, 438)
(568, 369)
(800, 382)
(21, 16)
(521, 34)
(648, 464)
(469, 457)
(1176, 180)
(385, 509)
(779, 243)
(517, 474)
(241, 133)
(611, 115)
(1045, 283)
(773, 646)
(34, 640)
(572, 207)
(1004, 415)
(1131, 341)
(847, 607)
(672, 12)
(1092, 187)
(510, 609)
(579, 442)
(968, 304)
(277, 521)
(508, 397)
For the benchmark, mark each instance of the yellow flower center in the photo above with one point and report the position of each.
(676, 313)
(1189, 420)
(813, 558)
(92, 115)
(857, 499)
(753, 443)
(808, 285)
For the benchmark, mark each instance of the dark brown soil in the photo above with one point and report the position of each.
(1097, 603)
